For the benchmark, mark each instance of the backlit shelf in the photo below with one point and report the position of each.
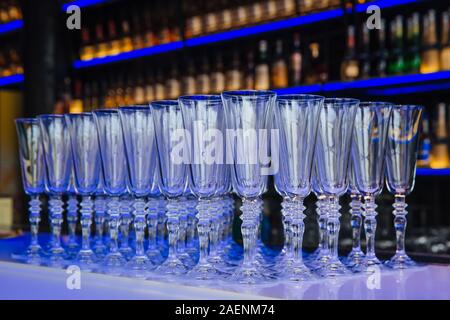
(10, 26)
(11, 80)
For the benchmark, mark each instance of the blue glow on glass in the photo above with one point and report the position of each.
(130, 55)
(384, 4)
(9, 80)
(432, 172)
(265, 27)
(11, 26)
(409, 89)
(83, 3)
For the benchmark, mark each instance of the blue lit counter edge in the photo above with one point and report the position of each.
(10, 26)
(83, 3)
(10, 80)
(432, 172)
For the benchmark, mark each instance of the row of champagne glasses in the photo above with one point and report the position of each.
(174, 159)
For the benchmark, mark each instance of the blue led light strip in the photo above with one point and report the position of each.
(11, 26)
(313, 88)
(9, 80)
(384, 4)
(432, 172)
(130, 55)
(83, 3)
(409, 89)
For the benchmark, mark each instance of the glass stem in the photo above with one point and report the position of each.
(333, 225)
(139, 224)
(249, 228)
(161, 230)
(72, 217)
(100, 207)
(34, 218)
(152, 222)
(400, 221)
(172, 227)
(356, 221)
(87, 206)
(114, 214)
(322, 221)
(370, 224)
(182, 221)
(286, 213)
(203, 228)
(125, 220)
(297, 227)
(190, 230)
(56, 210)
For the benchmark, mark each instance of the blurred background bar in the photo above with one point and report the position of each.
(135, 51)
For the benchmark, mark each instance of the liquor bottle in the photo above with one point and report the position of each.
(249, 77)
(306, 6)
(226, 20)
(439, 153)
(445, 41)
(173, 86)
(14, 11)
(76, 103)
(158, 88)
(126, 41)
(149, 88)
(128, 90)
(380, 69)
(210, 18)
(412, 63)
(286, 8)
(262, 74)
(95, 98)
(119, 88)
(257, 11)
(318, 70)
(149, 34)
(241, 11)
(115, 45)
(350, 65)
(364, 57)
(423, 157)
(396, 64)
(87, 49)
(101, 47)
(86, 97)
(430, 52)
(15, 64)
(218, 75)
(295, 60)
(203, 81)
(279, 67)
(4, 16)
(194, 21)
(189, 84)
(270, 9)
(136, 29)
(234, 73)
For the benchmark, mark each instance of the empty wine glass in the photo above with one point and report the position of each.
(113, 159)
(87, 166)
(247, 114)
(33, 171)
(204, 123)
(296, 118)
(332, 156)
(140, 148)
(401, 156)
(368, 155)
(173, 158)
(58, 160)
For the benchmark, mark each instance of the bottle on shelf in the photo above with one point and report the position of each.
(149, 91)
(226, 17)
(189, 85)
(203, 81)
(249, 77)
(173, 86)
(149, 36)
(396, 64)
(364, 57)
(125, 36)
(87, 48)
(76, 103)
(279, 67)
(317, 71)
(101, 47)
(439, 157)
(211, 22)
(218, 75)
(295, 62)
(350, 65)
(286, 8)
(381, 59)
(430, 52)
(412, 63)
(262, 73)
(234, 75)
(194, 21)
(445, 41)
(115, 45)
(158, 89)
(423, 157)
(138, 41)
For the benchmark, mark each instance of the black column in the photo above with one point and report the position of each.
(39, 43)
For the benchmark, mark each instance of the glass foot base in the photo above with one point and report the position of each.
(297, 272)
(127, 253)
(56, 261)
(203, 271)
(248, 275)
(87, 260)
(171, 267)
(332, 268)
(186, 259)
(139, 266)
(400, 261)
(155, 256)
(113, 263)
(100, 250)
(368, 265)
(355, 257)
